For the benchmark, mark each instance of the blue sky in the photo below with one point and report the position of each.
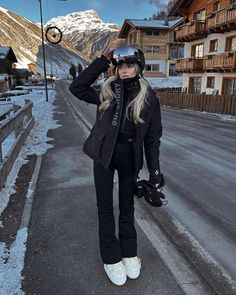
(112, 11)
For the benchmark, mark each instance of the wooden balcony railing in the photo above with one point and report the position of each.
(191, 31)
(225, 62)
(189, 65)
(222, 20)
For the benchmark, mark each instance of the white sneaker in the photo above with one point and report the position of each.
(116, 273)
(132, 267)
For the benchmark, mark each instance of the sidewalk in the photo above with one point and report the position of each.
(62, 256)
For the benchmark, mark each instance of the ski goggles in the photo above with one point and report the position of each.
(126, 54)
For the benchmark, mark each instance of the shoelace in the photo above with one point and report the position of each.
(116, 267)
(132, 260)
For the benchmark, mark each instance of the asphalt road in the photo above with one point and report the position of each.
(198, 160)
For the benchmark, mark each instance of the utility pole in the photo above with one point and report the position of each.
(44, 63)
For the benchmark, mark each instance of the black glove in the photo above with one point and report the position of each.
(161, 183)
(151, 194)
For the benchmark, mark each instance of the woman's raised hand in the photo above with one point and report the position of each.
(108, 53)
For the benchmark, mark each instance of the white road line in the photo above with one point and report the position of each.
(29, 199)
(179, 268)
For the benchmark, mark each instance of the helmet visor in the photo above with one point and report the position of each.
(125, 54)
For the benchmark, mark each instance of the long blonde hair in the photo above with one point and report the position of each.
(136, 105)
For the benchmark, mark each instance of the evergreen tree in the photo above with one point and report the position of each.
(80, 68)
(72, 71)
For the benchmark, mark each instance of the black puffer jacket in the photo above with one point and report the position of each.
(101, 141)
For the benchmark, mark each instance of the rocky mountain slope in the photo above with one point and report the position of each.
(84, 36)
(86, 32)
(24, 37)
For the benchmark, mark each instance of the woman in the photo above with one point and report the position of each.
(128, 117)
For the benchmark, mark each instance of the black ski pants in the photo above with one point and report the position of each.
(113, 249)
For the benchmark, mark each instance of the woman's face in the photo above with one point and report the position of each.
(126, 71)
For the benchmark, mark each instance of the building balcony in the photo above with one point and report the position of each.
(191, 31)
(222, 20)
(189, 65)
(225, 62)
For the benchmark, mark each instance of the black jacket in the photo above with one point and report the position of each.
(101, 141)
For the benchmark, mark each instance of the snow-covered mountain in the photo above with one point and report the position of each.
(86, 32)
(24, 37)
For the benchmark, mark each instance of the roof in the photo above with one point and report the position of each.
(179, 8)
(22, 72)
(147, 24)
(6, 52)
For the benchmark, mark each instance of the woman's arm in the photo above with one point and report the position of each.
(152, 144)
(80, 87)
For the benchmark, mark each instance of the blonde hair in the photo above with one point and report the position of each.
(136, 105)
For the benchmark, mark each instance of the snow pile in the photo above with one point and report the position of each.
(12, 260)
(168, 82)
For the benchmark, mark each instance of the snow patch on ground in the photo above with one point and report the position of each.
(10, 272)
(12, 260)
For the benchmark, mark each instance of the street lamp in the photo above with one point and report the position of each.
(44, 63)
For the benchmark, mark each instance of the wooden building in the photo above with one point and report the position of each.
(33, 68)
(156, 39)
(209, 33)
(7, 60)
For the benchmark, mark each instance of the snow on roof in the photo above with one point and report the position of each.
(7, 52)
(4, 51)
(154, 23)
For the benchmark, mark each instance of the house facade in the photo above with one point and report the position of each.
(33, 68)
(209, 33)
(7, 60)
(156, 38)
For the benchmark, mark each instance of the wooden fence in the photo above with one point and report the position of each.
(21, 122)
(200, 102)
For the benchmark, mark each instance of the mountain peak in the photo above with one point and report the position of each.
(85, 31)
(3, 9)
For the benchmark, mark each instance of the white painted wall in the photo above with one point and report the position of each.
(221, 49)
(221, 43)
(218, 80)
(161, 62)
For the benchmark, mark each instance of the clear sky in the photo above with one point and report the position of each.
(110, 11)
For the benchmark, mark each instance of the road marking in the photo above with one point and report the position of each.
(30, 195)
(80, 119)
(185, 277)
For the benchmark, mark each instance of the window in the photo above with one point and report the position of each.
(177, 52)
(213, 46)
(172, 70)
(229, 86)
(230, 44)
(200, 15)
(210, 82)
(197, 51)
(155, 68)
(232, 2)
(152, 68)
(195, 84)
(216, 6)
(152, 49)
(152, 33)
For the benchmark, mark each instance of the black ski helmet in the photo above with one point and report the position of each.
(129, 55)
